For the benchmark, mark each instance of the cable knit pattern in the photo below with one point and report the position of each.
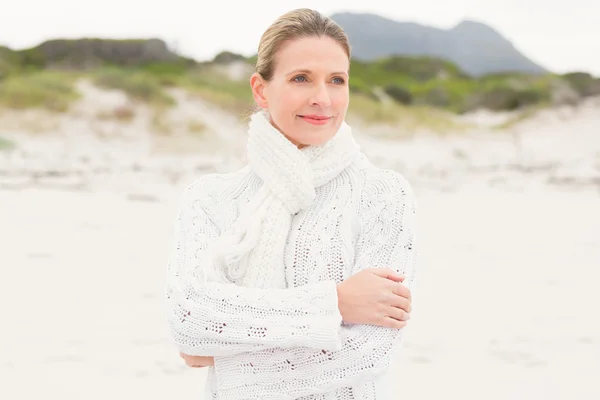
(289, 342)
(250, 252)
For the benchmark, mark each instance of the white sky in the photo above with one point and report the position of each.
(560, 35)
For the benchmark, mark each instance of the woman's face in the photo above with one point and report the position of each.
(308, 95)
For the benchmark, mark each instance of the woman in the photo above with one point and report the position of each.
(290, 278)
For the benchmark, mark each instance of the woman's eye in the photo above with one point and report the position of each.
(303, 79)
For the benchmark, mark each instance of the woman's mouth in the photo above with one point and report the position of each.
(315, 119)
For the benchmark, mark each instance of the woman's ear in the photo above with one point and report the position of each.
(258, 90)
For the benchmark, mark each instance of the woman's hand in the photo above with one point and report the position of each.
(375, 296)
(197, 361)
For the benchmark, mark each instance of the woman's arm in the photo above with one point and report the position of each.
(387, 240)
(209, 319)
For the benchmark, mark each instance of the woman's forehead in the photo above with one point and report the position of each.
(314, 55)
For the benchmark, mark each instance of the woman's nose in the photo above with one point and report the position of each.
(320, 96)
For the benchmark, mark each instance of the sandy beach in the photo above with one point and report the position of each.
(509, 228)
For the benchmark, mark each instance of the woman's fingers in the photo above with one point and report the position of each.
(401, 290)
(399, 303)
(388, 322)
(402, 303)
(398, 314)
(196, 361)
(387, 273)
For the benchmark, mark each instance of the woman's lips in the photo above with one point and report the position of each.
(315, 119)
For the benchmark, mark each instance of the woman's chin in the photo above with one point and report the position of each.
(318, 141)
(312, 137)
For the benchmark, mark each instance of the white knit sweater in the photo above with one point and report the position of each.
(292, 343)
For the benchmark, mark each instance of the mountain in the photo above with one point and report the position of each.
(475, 47)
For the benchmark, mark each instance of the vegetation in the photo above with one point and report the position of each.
(212, 84)
(6, 144)
(583, 83)
(51, 90)
(440, 84)
(140, 85)
(383, 90)
(412, 117)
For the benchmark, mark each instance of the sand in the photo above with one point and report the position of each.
(509, 239)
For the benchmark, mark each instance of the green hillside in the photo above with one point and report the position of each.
(44, 76)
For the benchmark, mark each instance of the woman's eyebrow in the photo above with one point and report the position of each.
(307, 71)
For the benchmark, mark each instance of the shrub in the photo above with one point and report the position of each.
(420, 68)
(583, 83)
(53, 91)
(6, 144)
(508, 99)
(139, 85)
(399, 94)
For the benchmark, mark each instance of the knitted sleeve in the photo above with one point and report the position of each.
(387, 240)
(221, 318)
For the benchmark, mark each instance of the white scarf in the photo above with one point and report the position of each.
(251, 252)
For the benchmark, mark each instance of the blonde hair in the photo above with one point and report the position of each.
(299, 23)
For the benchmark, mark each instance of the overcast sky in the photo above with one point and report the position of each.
(560, 35)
